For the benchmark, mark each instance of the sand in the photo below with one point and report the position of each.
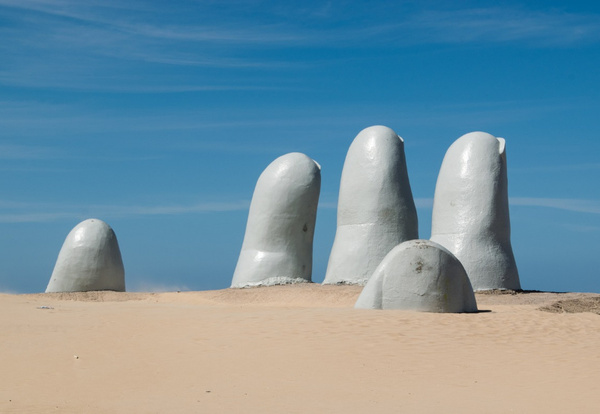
(295, 349)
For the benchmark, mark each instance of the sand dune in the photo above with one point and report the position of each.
(295, 349)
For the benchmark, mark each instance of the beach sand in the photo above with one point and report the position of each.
(295, 349)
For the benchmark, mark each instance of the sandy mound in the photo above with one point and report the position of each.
(585, 304)
(302, 295)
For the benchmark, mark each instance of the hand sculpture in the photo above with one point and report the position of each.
(470, 211)
(376, 210)
(89, 259)
(278, 244)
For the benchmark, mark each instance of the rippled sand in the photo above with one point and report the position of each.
(295, 349)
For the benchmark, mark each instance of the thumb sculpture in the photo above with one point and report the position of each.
(278, 244)
(376, 210)
(419, 275)
(470, 211)
(89, 259)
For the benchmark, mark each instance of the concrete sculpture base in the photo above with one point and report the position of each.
(419, 275)
(89, 259)
(376, 210)
(278, 244)
(470, 211)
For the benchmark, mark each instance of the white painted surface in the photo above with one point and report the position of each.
(419, 275)
(278, 244)
(89, 259)
(470, 211)
(376, 210)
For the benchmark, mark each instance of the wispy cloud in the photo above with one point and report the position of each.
(568, 204)
(327, 205)
(34, 119)
(101, 45)
(19, 212)
(425, 203)
(503, 25)
(494, 111)
(581, 228)
(89, 11)
(264, 34)
(554, 168)
(36, 217)
(26, 152)
(23, 212)
(205, 207)
(66, 45)
(15, 212)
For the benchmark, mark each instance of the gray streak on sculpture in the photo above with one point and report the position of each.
(419, 275)
(470, 211)
(89, 259)
(376, 210)
(278, 244)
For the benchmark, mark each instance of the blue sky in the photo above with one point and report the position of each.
(158, 117)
